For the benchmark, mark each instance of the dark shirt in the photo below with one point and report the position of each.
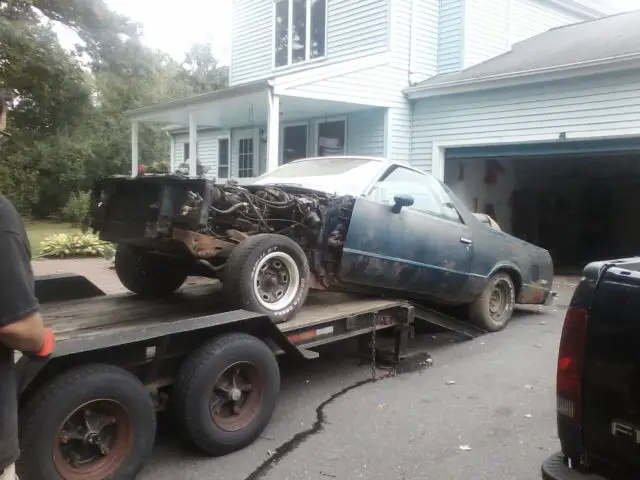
(17, 301)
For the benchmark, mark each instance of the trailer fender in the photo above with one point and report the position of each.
(78, 349)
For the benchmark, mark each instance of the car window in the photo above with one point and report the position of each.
(402, 181)
(449, 211)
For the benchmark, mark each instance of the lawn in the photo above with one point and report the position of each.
(39, 229)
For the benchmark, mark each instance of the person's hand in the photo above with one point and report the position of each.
(47, 348)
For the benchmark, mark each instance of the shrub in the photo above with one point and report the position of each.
(76, 209)
(64, 245)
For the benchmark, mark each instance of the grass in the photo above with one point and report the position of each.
(37, 230)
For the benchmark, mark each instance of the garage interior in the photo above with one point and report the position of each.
(576, 199)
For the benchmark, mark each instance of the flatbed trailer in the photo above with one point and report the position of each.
(90, 412)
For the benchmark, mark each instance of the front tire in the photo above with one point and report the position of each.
(89, 423)
(267, 273)
(226, 393)
(149, 275)
(493, 308)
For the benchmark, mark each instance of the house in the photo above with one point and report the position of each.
(328, 76)
(451, 86)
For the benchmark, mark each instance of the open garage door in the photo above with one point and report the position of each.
(580, 200)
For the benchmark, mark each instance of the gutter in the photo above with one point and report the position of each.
(622, 62)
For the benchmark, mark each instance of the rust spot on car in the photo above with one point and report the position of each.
(202, 246)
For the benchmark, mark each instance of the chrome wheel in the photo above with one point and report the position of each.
(276, 281)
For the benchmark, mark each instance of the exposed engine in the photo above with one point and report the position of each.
(316, 221)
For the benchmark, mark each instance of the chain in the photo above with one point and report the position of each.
(373, 347)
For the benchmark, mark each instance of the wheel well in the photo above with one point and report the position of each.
(515, 277)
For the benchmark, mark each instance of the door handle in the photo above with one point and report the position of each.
(466, 241)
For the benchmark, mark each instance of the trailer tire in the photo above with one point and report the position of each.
(484, 312)
(111, 395)
(258, 268)
(148, 275)
(206, 418)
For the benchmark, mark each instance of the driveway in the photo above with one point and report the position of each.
(485, 409)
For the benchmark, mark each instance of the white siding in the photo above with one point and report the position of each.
(491, 32)
(353, 29)
(207, 148)
(450, 36)
(251, 40)
(424, 33)
(487, 30)
(609, 102)
(365, 133)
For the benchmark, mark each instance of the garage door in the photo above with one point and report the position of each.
(545, 148)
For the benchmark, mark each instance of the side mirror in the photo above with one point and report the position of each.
(401, 201)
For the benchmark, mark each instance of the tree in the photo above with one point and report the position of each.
(68, 120)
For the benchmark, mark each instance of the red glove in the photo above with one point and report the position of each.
(48, 346)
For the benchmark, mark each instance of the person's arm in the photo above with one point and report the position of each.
(21, 327)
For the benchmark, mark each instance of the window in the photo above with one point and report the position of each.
(427, 192)
(186, 151)
(223, 158)
(299, 31)
(245, 157)
(332, 138)
(294, 142)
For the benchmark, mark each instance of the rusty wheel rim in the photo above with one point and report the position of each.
(93, 441)
(236, 397)
(500, 302)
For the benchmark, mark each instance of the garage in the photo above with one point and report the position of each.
(577, 199)
(544, 138)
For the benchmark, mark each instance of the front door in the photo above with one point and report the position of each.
(246, 147)
(424, 249)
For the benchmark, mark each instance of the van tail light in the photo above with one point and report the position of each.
(570, 365)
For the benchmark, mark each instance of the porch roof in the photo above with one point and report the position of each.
(238, 106)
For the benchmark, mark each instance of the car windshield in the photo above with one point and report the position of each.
(331, 175)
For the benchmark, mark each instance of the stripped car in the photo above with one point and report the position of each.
(357, 224)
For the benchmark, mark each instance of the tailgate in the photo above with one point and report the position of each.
(611, 379)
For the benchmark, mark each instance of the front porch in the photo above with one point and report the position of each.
(242, 132)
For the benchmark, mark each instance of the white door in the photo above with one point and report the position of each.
(246, 148)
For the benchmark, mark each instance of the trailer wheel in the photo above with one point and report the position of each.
(89, 423)
(148, 275)
(493, 308)
(226, 392)
(268, 273)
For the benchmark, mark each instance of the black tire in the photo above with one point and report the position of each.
(241, 269)
(480, 310)
(149, 275)
(90, 386)
(195, 386)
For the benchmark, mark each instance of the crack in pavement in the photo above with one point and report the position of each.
(321, 420)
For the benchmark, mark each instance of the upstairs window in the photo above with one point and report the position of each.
(300, 31)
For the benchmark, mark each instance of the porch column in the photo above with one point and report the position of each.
(172, 153)
(273, 132)
(193, 145)
(134, 149)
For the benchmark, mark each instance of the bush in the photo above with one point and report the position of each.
(64, 245)
(76, 209)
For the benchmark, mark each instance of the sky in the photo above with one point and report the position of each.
(173, 30)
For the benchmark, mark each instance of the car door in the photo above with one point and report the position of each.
(424, 249)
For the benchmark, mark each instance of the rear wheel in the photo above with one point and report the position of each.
(268, 273)
(149, 275)
(226, 393)
(493, 308)
(89, 423)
